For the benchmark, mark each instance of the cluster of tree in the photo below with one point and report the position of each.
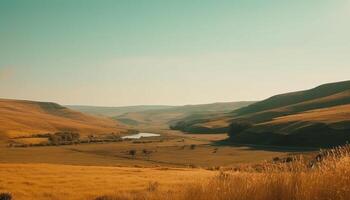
(63, 137)
(238, 127)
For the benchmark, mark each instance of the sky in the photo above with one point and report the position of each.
(144, 52)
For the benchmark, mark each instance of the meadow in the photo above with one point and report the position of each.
(325, 176)
(54, 181)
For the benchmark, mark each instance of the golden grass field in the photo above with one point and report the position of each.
(328, 178)
(48, 181)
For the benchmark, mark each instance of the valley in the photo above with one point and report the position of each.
(188, 141)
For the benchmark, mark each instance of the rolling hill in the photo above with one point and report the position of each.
(24, 118)
(313, 97)
(162, 118)
(115, 111)
(307, 117)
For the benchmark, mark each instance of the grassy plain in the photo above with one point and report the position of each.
(324, 178)
(172, 150)
(51, 182)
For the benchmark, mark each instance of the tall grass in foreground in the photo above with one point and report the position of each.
(327, 177)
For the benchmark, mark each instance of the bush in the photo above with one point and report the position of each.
(5, 196)
(147, 153)
(152, 186)
(132, 152)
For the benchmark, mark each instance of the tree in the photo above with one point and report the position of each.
(147, 153)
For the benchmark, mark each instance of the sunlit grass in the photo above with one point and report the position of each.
(325, 178)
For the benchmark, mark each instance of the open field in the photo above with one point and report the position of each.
(324, 178)
(328, 178)
(51, 182)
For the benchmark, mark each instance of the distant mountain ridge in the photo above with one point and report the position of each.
(115, 111)
(169, 116)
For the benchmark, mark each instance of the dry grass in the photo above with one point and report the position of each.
(327, 179)
(51, 182)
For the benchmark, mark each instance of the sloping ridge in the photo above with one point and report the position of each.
(295, 97)
(315, 117)
(23, 118)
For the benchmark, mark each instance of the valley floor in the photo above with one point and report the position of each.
(85, 171)
(170, 151)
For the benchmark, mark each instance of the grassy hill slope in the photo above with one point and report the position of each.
(23, 118)
(293, 98)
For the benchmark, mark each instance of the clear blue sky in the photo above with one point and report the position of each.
(104, 52)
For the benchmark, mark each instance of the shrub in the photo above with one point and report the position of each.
(147, 153)
(152, 186)
(132, 152)
(193, 146)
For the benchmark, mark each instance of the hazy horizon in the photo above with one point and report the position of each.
(125, 53)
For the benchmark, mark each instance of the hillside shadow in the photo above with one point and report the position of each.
(228, 143)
